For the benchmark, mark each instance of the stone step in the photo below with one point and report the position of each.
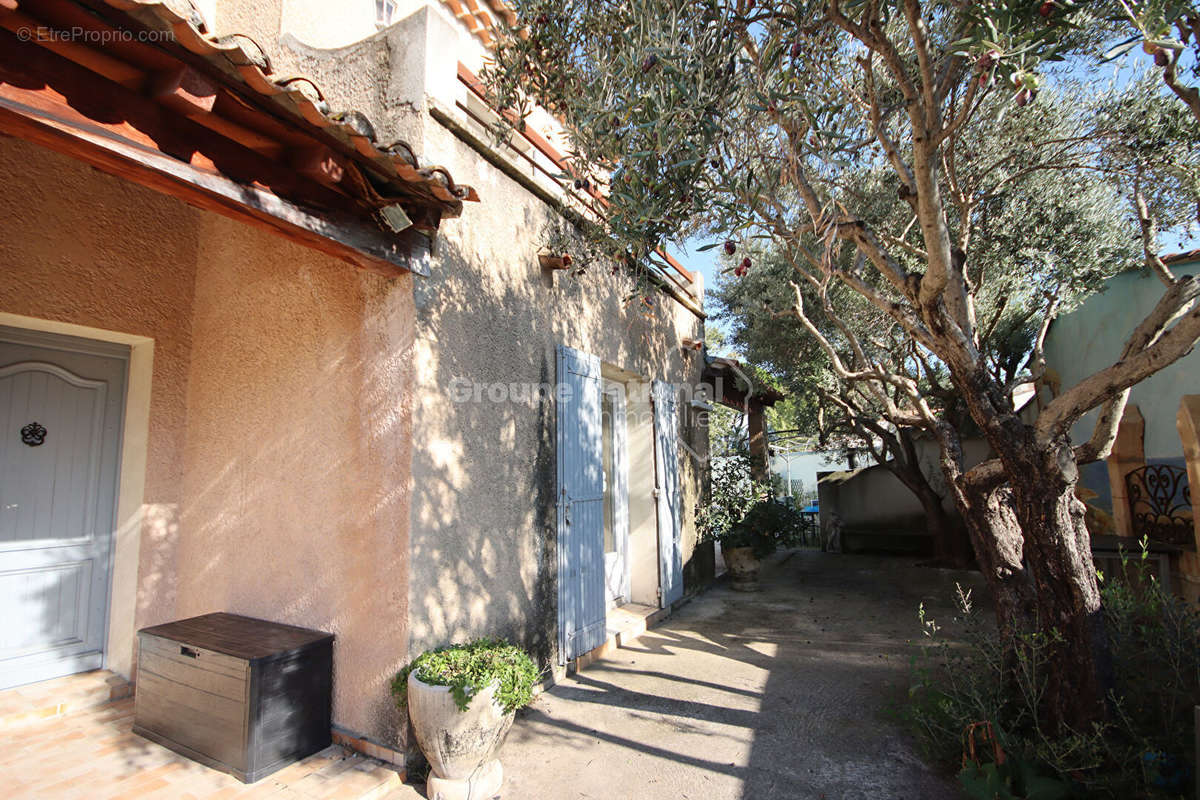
(53, 698)
(624, 626)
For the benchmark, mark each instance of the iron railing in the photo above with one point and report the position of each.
(1160, 504)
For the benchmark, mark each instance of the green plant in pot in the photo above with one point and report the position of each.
(462, 700)
(743, 517)
(765, 527)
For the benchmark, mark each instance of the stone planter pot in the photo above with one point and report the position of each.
(743, 568)
(459, 745)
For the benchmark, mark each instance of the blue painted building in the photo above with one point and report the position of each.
(1091, 337)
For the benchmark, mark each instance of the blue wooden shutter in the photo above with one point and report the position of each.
(667, 492)
(581, 608)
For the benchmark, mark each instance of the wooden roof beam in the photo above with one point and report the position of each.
(86, 95)
(48, 37)
(192, 95)
(319, 163)
(349, 239)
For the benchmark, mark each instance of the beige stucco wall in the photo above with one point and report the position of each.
(873, 498)
(124, 265)
(483, 559)
(297, 454)
(484, 473)
(483, 513)
(277, 470)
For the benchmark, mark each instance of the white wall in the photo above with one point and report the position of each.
(874, 497)
(803, 467)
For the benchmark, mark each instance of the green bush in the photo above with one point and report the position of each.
(471, 667)
(732, 491)
(766, 526)
(1145, 749)
(741, 511)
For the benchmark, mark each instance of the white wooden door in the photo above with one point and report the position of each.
(61, 402)
(581, 607)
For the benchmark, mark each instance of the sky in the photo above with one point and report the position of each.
(706, 264)
(1119, 71)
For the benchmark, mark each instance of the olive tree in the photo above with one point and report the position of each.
(754, 121)
(1073, 232)
(840, 415)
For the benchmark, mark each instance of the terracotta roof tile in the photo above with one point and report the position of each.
(481, 17)
(244, 61)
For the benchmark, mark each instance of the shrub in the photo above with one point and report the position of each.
(469, 668)
(766, 526)
(741, 511)
(1145, 749)
(733, 491)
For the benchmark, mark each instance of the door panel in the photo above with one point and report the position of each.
(26, 593)
(60, 422)
(48, 491)
(667, 491)
(616, 488)
(581, 605)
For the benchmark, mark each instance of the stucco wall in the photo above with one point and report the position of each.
(1091, 337)
(318, 23)
(483, 513)
(297, 455)
(483, 556)
(126, 265)
(258, 19)
(278, 467)
(484, 539)
(874, 498)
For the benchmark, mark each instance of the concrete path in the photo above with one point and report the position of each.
(780, 694)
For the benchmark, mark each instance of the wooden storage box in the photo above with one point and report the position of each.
(241, 695)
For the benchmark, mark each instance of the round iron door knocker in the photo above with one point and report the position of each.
(33, 434)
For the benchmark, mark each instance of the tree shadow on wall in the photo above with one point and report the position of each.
(484, 539)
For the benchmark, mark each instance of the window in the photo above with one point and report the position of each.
(385, 11)
(607, 450)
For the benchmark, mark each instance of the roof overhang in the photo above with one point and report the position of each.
(137, 91)
(733, 386)
(1182, 258)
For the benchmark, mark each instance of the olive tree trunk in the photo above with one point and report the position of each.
(949, 547)
(1059, 557)
(995, 534)
(1033, 545)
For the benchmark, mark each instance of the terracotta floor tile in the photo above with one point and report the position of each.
(224, 793)
(92, 753)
